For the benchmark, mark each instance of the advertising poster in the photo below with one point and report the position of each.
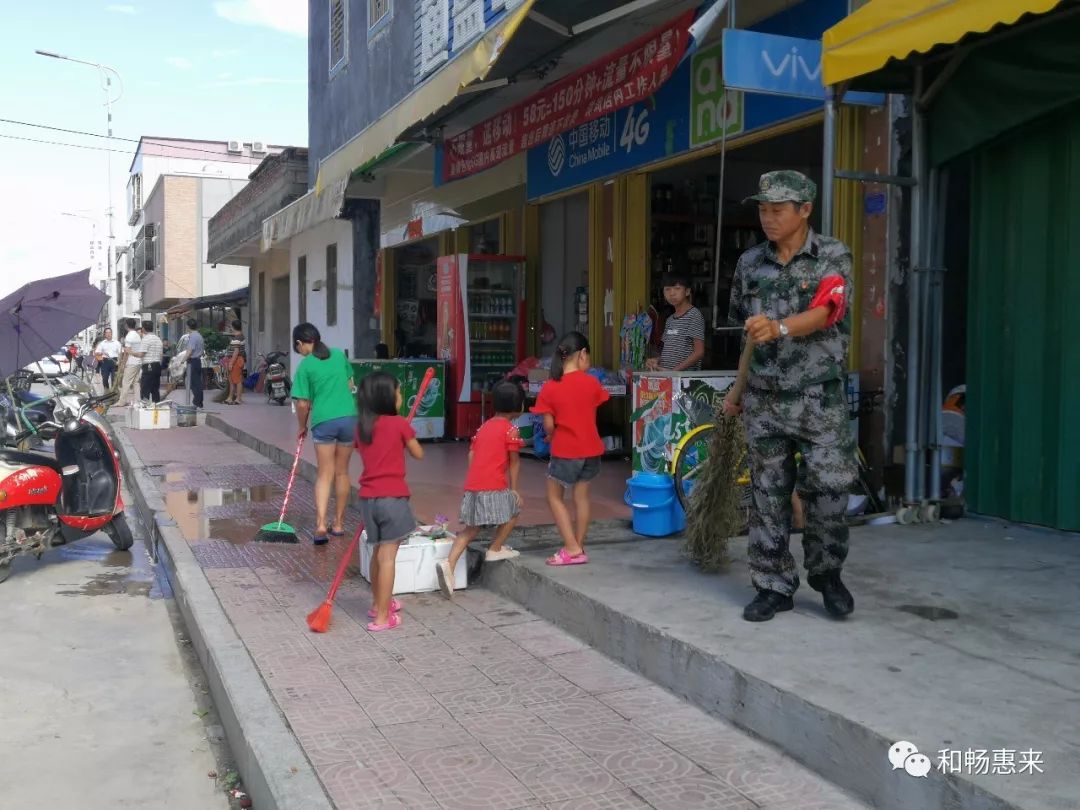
(451, 345)
(430, 420)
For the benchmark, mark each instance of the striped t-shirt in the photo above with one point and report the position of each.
(680, 332)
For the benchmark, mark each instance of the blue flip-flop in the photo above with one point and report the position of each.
(332, 533)
(320, 540)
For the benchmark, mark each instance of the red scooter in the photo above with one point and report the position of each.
(48, 500)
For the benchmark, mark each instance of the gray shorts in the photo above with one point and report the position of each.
(570, 471)
(387, 520)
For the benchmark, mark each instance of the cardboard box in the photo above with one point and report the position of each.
(150, 417)
(415, 569)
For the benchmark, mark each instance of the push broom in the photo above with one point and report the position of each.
(319, 619)
(282, 532)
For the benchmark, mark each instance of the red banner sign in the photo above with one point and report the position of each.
(625, 77)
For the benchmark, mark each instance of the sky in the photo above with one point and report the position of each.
(206, 69)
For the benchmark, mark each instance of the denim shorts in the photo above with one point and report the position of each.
(387, 520)
(570, 471)
(341, 430)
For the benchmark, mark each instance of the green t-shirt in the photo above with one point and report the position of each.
(327, 384)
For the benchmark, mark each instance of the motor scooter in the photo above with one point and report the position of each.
(48, 500)
(278, 384)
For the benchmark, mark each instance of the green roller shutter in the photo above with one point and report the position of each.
(1023, 352)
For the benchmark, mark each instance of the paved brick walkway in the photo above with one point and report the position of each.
(470, 705)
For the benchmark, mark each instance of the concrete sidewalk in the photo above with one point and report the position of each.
(964, 638)
(469, 705)
(436, 481)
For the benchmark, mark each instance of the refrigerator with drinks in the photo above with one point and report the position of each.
(480, 329)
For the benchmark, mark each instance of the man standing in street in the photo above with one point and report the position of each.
(132, 372)
(195, 347)
(150, 355)
(684, 330)
(107, 355)
(792, 293)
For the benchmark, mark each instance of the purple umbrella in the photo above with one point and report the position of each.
(40, 317)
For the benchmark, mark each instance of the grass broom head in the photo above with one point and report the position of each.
(276, 532)
(319, 619)
(715, 513)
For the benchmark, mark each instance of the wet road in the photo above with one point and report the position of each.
(101, 706)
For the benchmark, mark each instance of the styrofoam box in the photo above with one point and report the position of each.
(416, 565)
(141, 417)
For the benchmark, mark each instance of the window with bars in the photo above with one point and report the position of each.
(339, 34)
(378, 10)
(301, 289)
(331, 285)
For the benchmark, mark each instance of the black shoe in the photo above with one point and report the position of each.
(837, 598)
(766, 605)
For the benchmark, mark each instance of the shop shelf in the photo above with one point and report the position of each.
(482, 317)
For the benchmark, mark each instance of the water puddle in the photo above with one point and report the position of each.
(929, 612)
(189, 507)
(128, 573)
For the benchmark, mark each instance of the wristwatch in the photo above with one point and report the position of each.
(783, 329)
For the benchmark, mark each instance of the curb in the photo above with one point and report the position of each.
(838, 748)
(275, 771)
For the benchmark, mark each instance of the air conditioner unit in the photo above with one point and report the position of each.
(236, 147)
(258, 148)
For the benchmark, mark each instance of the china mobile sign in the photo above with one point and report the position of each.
(625, 77)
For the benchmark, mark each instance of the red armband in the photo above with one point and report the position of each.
(832, 293)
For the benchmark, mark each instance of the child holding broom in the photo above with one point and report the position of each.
(490, 499)
(382, 438)
(568, 402)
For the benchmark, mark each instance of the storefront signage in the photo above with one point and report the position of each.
(445, 27)
(783, 66)
(715, 111)
(623, 78)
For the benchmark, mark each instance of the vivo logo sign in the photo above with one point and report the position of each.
(781, 66)
(793, 63)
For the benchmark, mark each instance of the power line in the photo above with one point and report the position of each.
(72, 145)
(147, 141)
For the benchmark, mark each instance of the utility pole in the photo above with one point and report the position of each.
(106, 85)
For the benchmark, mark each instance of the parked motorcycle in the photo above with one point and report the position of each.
(21, 409)
(48, 500)
(278, 384)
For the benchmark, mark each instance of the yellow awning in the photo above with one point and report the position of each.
(425, 100)
(894, 29)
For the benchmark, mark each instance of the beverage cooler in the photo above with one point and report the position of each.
(481, 330)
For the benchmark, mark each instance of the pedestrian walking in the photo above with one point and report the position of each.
(791, 293)
(568, 402)
(382, 439)
(107, 355)
(236, 361)
(196, 348)
(151, 356)
(323, 391)
(491, 484)
(130, 365)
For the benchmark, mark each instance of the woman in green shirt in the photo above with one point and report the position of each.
(323, 390)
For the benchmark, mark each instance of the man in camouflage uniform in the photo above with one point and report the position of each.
(792, 292)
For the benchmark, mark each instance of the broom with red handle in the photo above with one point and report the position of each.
(319, 619)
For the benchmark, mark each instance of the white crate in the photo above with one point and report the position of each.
(416, 565)
(149, 417)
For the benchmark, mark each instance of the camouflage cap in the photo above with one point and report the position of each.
(784, 186)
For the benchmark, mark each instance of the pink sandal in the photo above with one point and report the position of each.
(395, 606)
(563, 557)
(395, 620)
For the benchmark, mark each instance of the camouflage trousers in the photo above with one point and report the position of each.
(779, 424)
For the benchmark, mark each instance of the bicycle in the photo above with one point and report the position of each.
(692, 451)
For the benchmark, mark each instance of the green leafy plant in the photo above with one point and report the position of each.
(214, 340)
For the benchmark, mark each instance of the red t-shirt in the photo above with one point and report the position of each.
(384, 459)
(573, 401)
(492, 445)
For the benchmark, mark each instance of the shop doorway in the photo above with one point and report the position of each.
(564, 268)
(280, 328)
(415, 265)
(683, 219)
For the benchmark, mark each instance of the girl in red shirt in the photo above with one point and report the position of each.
(382, 437)
(568, 402)
(490, 500)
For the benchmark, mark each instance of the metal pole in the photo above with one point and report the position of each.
(937, 344)
(828, 162)
(912, 455)
(720, 193)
